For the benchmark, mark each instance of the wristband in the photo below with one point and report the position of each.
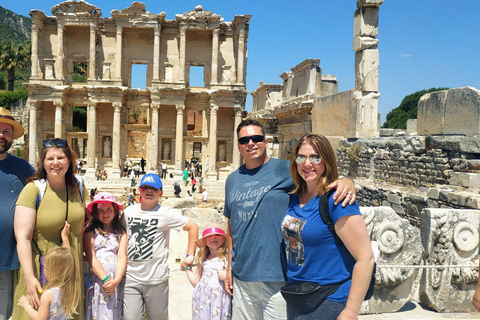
(187, 268)
(106, 278)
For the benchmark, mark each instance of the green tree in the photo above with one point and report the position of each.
(397, 118)
(13, 56)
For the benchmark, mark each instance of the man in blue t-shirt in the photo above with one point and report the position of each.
(13, 173)
(256, 199)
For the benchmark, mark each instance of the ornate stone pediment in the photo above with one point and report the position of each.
(135, 11)
(76, 7)
(199, 16)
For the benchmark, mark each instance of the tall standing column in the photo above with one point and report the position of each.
(117, 111)
(236, 152)
(35, 51)
(183, 45)
(179, 138)
(58, 119)
(212, 172)
(59, 61)
(32, 131)
(92, 139)
(215, 56)
(153, 163)
(92, 66)
(205, 157)
(156, 53)
(118, 55)
(241, 56)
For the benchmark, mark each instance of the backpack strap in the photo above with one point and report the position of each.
(42, 187)
(325, 214)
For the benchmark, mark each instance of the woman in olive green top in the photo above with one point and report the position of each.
(39, 219)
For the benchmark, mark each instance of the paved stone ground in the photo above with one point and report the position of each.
(181, 299)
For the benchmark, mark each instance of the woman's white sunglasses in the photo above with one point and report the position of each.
(314, 158)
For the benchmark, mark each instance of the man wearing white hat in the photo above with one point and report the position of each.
(13, 173)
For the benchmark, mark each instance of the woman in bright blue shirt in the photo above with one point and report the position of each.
(312, 253)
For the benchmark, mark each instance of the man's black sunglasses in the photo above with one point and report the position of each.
(255, 138)
(57, 142)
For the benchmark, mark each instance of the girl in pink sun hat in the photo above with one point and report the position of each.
(209, 299)
(105, 246)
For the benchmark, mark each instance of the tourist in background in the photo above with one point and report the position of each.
(105, 246)
(256, 199)
(13, 174)
(312, 252)
(164, 170)
(209, 299)
(185, 176)
(53, 195)
(204, 195)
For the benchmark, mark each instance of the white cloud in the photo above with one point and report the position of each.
(405, 55)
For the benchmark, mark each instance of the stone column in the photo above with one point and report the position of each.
(205, 158)
(92, 66)
(117, 112)
(236, 162)
(156, 53)
(118, 55)
(32, 131)
(59, 61)
(212, 172)
(365, 104)
(58, 119)
(34, 51)
(215, 56)
(179, 138)
(153, 163)
(182, 53)
(241, 57)
(92, 139)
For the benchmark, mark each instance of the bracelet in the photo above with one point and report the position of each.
(106, 278)
(187, 268)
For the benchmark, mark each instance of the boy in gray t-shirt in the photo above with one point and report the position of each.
(148, 228)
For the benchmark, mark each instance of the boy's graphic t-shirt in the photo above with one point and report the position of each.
(148, 241)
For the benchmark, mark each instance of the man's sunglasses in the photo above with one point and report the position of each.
(314, 158)
(57, 142)
(255, 138)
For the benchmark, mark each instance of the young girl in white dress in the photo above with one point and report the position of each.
(61, 294)
(105, 246)
(209, 299)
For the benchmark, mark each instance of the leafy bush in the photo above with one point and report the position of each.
(9, 98)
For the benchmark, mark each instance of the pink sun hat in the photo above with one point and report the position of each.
(104, 197)
(209, 230)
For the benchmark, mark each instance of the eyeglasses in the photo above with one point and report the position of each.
(314, 158)
(255, 138)
(146, 187)
(7, 117)
(57, 142)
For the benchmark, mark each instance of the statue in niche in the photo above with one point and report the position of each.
(166, 151)
(221, 153)
(107, 148)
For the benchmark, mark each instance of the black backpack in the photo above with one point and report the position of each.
(327, 219)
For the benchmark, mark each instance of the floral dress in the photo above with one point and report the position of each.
(56, 309)
(99, 305)
(210, 300)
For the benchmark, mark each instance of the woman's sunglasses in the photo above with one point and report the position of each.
(314, 158)
(255, 138)
(57, 142)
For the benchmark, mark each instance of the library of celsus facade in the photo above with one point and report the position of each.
(170, 121)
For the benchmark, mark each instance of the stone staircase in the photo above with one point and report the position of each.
(120, 187)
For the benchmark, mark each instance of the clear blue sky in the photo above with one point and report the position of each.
(423, 43)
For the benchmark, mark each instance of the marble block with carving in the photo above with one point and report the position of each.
(401, 246)
(450, 237)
